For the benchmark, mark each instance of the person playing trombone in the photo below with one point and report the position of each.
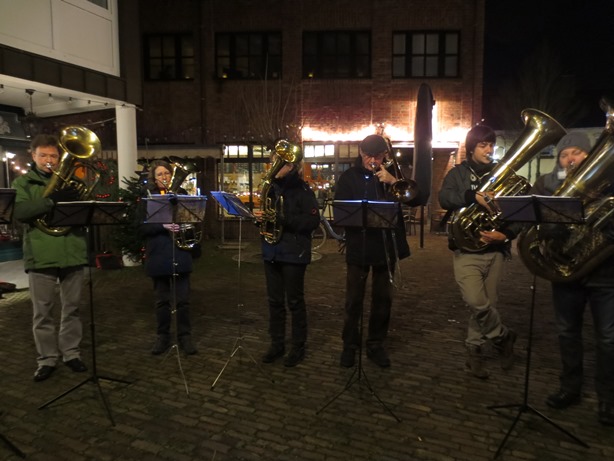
(376, 251)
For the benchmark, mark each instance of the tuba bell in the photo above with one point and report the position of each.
(189, 235)
(540, 131)
(76, 144)
(569, 252)
(270, 227)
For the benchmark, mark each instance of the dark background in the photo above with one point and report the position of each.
(580, 36)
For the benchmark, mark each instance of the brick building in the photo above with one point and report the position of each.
(226, 78)
(219, 80)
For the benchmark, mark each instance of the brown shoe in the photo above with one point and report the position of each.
(475, 363)
(505, 346)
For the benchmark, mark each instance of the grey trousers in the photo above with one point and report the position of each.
(478, 275)
(43, 293)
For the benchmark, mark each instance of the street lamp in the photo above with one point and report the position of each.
(8, 156)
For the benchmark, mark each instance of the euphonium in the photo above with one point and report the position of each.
(568, 252)
(75, 143)
(270, 226)
(189, 235)
(540, 131)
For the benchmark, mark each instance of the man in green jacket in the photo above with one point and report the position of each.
(49, 258)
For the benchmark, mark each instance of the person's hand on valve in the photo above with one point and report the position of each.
(66, 194)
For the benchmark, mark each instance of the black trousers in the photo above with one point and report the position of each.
(381, 301)
(285, 283)
(164, 293)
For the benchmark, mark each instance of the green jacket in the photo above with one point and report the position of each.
(40, 250)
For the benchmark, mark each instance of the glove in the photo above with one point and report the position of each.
(68, 194)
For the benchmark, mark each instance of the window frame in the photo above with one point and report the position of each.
(318, 62)
(269, 53)
(446, 59)
(181, 61)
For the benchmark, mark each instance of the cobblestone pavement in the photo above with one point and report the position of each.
(274, 413)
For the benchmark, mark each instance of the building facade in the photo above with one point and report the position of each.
(225, 78)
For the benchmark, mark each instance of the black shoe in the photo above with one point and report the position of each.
(506, 350)
(562, 399)
(348, 357)
(606, 413)
(76, 365)
(43, 372)
(185, 343)
(379, 356)
(295, 356)
(275, 352)
(163, 342)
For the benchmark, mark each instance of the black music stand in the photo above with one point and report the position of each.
(183, 210)
(233, 206)
(7, 202)
(365, 215)
(88, 214)
(536, 209)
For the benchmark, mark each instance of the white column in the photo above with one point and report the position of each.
(126, 142)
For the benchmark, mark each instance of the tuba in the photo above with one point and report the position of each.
(270, 227)
(189, 235)
(571, 251)
(540, 131)
(75, 143)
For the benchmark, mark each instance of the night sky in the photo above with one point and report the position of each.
(580, 31)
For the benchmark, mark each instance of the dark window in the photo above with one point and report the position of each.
(169, 57)
(343, 54)
(425, 54)
(251, 55)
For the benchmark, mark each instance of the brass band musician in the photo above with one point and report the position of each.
(50, 258)
(375, 251)
(478, 273)
(169, 268)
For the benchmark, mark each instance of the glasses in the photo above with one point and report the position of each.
(374, 156)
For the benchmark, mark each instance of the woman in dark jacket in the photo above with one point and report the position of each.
(286, 259)
(169, 267)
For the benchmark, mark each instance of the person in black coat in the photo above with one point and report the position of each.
(166, 263)
(286, 259)
(368, 250)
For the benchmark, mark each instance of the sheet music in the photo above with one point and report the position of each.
(541, 209)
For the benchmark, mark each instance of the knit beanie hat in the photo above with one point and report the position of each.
(574, 139)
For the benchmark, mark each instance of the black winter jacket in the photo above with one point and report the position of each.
(458, 191)
(358, 183)
(301, 217)
(160, 249)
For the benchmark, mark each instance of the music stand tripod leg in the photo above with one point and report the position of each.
(524, 406)
(94, 378)
(359, 372)
(238, 344)
(12, 446)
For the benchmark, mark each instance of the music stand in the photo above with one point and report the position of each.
(233, 206)
(183, 210)
(365, 215)
(536, 209)
(7, 203)
(88, 214)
